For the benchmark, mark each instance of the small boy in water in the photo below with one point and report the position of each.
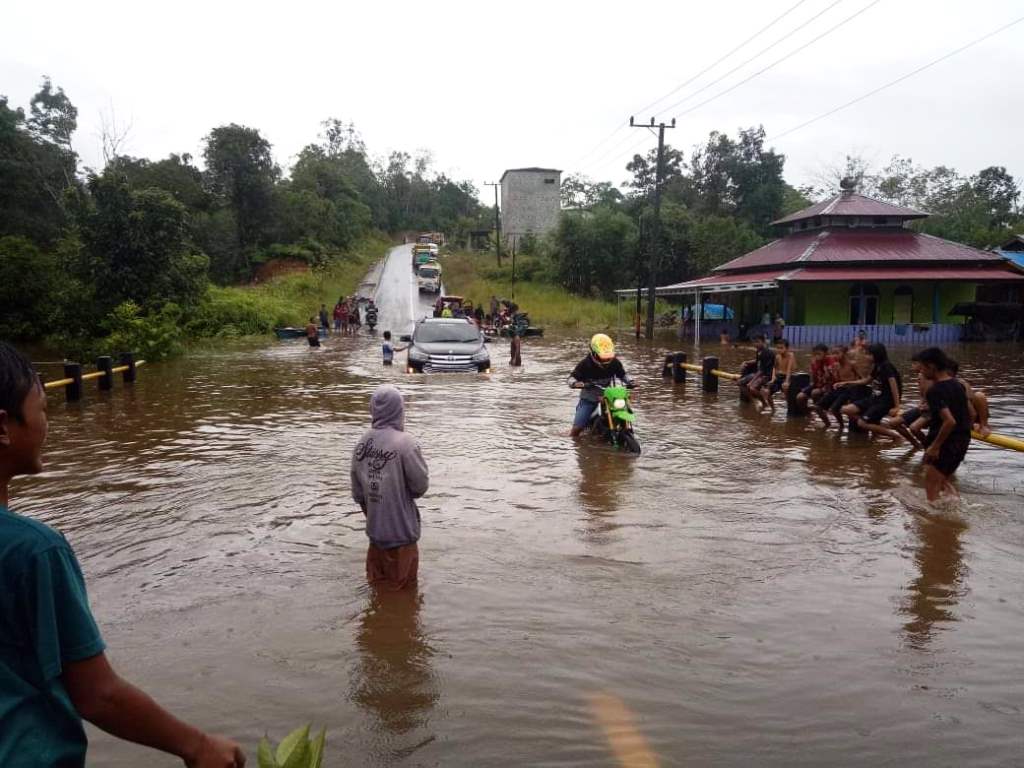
(312, 334)
(53, 669)
(949, 435)
(389, 351)
(388, 474)
(785, 362)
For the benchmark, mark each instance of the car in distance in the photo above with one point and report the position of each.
(447, 345)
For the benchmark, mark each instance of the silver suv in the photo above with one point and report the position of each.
(448, 345)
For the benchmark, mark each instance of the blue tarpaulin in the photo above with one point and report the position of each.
(711, 312)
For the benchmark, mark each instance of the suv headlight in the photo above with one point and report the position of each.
(418, 355)
(481, 357)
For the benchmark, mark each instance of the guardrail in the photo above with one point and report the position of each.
(104, 374)
(676, 366)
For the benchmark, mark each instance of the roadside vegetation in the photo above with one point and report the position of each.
(147, 253)
(476, 276)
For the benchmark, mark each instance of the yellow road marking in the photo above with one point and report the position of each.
(619, 726)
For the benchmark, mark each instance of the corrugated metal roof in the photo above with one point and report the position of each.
(857, 245)
(903, 274)
(852, 205)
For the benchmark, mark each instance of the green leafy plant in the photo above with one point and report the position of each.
(296, 750)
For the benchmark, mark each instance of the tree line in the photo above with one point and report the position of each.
(80, 247)
(719, 202)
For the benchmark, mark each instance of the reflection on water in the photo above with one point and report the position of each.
(603, 473)
(933, 594)
(393, 680)
(743, 569)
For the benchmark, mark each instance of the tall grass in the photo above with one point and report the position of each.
(477, 277)
(289, 299)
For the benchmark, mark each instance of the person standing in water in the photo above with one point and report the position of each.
(389, 350)
(516, 350)
(388, 474)
(312, 334)
(949, 433)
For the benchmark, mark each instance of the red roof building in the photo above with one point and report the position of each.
(850, 263)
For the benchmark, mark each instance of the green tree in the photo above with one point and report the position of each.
(594, 252)
(136, 247)
(29, 283)
(739, 178)
(241, 174)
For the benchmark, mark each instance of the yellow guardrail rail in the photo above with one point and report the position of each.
(1013, 443)
(58, 383)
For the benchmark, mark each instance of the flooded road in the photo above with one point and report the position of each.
(748, 591)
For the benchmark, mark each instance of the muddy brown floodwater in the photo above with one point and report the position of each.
(748, 591)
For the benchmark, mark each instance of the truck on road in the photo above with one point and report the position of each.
(428, 277)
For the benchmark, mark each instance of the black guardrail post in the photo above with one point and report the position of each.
(797, 382)
(106, 364)
(666, 367)
(678, 372)
(709, 382)
(73, 391)
(128, 359)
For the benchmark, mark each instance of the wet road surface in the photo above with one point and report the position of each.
(749, 591)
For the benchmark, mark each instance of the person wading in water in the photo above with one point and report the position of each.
(388, 475)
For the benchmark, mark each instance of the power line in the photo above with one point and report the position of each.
(789, 55)
(763, 51)
(704, 71)
(750, 39)
(900, 79)
(775, 63)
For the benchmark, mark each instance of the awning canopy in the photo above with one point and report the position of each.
(767, 280)
(753, 281)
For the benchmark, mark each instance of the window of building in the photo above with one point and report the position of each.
(549, 181)
(863, 304)
(880, 221)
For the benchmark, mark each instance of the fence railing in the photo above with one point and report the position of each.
(676, 367)
(74, 377)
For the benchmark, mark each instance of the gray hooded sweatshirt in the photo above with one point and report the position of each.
(388, 473)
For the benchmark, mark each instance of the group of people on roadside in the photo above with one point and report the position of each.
(345, 316)
(858, 383)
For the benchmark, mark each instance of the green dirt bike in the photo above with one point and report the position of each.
(614, 417)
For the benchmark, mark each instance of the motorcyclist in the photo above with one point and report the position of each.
(596, 369)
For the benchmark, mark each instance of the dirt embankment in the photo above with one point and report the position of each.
(277, 267)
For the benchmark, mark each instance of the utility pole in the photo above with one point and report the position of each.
(655, 246)
(497, 217)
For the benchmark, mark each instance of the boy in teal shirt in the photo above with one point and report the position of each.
(53, 670)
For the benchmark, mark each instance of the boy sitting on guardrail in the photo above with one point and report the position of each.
(53, 670)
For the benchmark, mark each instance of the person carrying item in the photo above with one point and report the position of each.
(312, 334)
(591, 375)
(54, 671)
(949, 435)
(388, 474)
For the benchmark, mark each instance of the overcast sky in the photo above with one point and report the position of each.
(487, 86)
